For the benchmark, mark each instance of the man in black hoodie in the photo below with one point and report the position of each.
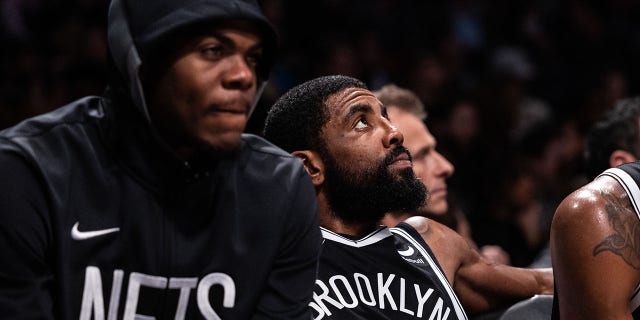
(149, 201)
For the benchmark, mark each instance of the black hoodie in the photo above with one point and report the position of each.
(98, 220)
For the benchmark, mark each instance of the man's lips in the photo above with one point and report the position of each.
(228, 111)
(438, 191)
(402, 160)
(229, 107)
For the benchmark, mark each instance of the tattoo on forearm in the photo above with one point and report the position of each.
(625, 239)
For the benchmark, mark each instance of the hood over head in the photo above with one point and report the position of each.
(134, 26)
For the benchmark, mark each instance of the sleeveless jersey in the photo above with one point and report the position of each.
(389, 274)
(628, 175)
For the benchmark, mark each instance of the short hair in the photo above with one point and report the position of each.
(296, 119)
(617, 129)
(406, 100)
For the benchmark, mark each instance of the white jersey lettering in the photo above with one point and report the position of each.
(116, 287)
(422, 299)
(206, 283)
(185, 285)
(362, 279)
(136, 280)
(347, 286)
(324, 296)
(403, 298)
(383, 291)
(92, 295)
(93, 306)
(341, 293)
(438, 310)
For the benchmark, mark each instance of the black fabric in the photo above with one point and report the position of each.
(240, 235)
(151, 21)
(369, 279)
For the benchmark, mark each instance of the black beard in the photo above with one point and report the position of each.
(367, 196)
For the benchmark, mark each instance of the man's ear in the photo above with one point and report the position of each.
(619, 157)
(313, 164)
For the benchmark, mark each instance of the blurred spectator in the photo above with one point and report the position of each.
(615, 138)
(407, 111)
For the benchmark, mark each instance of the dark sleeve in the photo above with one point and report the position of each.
(418, 238)
(25, 277)
(290, 284)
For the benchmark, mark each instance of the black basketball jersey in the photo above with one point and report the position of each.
(389, 274)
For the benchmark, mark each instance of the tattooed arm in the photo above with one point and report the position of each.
(595, 237)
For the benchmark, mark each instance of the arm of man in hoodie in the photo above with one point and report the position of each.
(292, 279)
(25, 274)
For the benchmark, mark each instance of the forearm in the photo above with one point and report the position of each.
(25, 274)
(291, 282)
(520, 283)
(487, 287)
(25, 298)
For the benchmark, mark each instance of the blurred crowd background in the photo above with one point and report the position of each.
(511, 86)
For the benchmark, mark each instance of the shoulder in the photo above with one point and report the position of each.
(591, 204)
(258, 144)
(594, 231)
(421, 224)
(53, 134)
(595, 218)
(66, 117)
(450, 249)
(443, 240)
(264, 166)
(262, 157)
(430, 229)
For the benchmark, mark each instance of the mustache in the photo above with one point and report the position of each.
(395, 153)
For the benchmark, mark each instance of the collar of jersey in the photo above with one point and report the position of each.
(373, 237)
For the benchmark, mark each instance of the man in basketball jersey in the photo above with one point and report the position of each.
(595, 230)
(361, 170)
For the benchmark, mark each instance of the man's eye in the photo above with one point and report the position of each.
(254, 60)
(362, 123)
(213, 52)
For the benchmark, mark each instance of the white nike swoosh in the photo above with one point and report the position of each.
(407, 252)
(84, 235)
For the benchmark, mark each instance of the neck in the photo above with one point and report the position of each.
(357, 230)
(391, 219)
(329, 220)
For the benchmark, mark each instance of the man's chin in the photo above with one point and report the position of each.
(226, 143)
(434, 208)
(407, 171)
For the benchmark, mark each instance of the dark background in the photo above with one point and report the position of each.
(510, 86)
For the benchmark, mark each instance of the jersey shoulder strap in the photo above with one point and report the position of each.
(628, 175)
(413, 249)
